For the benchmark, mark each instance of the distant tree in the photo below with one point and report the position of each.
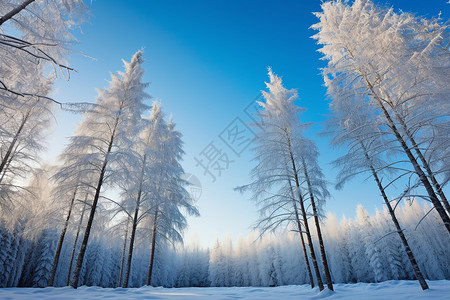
(270, 266)
(340, 259)
(6, 239)
(33, 235)
(362, 270)
(94, 263)
(46, 247)
(218, 274)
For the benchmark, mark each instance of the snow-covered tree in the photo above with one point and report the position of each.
(355, 125)
(218, 273)
(35, 32)
(124, 226)
(281, 181)
(400, 63)
(94, 263)
(149, 158)
(72, 190)
(340, 259)
(75, 241)
(22, 127)
(31, 226)
(46, 247)
(102, 139)
(170, 200)
(33, 36)
(193, 267)
(270, 266)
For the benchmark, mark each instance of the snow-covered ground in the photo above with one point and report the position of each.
(386, 290)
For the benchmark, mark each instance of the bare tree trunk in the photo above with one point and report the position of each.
(310, 244)
(15, 11)
(305, 220)
(436, 185)
(75, 242)
(308, 266)
(135, 222)
(5, 169)
(402, 236)
(423, 178)
(129, 258)
(80, 257)
(319, 232)
(152, 254)
(5, 160)
(425, 164)
(124, 249)
(299, 226)
(61, 240)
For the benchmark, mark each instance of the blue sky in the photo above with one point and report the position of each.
(206, 61)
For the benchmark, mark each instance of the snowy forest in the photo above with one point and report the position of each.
(112, 209)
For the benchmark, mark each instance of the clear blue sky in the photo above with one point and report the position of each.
(206, 61)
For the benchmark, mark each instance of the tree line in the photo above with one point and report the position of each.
(362, 249)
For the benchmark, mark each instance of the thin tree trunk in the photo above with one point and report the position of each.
(129, 257)
(8, 163)
(425, 164)
(124, 249)
(15, 11)
(305, 253)
(305, 221)
(152, 254)
(75, 243)
(299, 226)
(61, 239)
(402, 236)
(13, 142)
(5, 169)
(319, 232)
(134, 226)
(423, 178)
(310, 244)
(436, 185)
(80, 258)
